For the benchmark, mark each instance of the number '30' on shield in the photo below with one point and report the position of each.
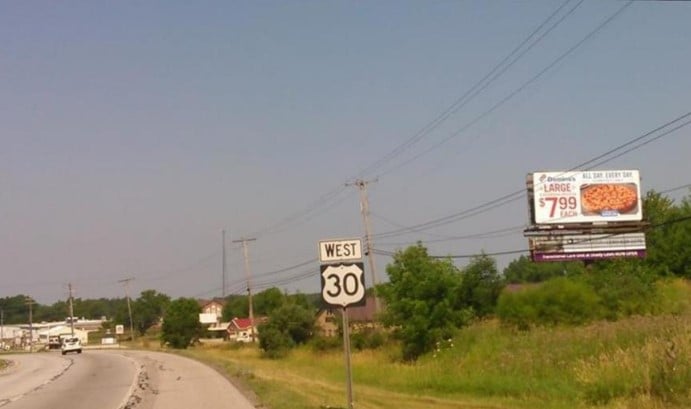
(343, 284)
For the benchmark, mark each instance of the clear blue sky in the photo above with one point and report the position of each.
(133, 132)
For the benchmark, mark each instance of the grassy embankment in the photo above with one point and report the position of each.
(639, 362)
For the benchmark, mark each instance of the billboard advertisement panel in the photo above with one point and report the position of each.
(586, 197)
(587, 246)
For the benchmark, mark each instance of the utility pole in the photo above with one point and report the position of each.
(30, 303)
(71, 311)
(249, 286)
(364, 209)
(2, 328)
(126, 282)
(223, 278)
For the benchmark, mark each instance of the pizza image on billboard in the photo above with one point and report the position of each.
(591, 196)
(609, 199)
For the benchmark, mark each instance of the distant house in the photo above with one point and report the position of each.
(210, 317)
(214, 306)
(359, 318)
(327, 323)
(242, 330)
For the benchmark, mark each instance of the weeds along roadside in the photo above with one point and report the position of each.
(638, 362)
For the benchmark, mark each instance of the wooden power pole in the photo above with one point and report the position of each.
(364, 210)
(223, 278)
(126, 282)
(71, 311)
(30, 303)
(248, 274)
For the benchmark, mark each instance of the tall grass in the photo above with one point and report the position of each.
(641, 362)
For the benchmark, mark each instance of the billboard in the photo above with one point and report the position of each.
(585, 197)
(587, 246)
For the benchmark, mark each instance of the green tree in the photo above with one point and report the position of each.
(668, 252)
(148, 309)
(524, 270)
(15, 309)
(305, 300)
(481, 286)
(658, 210)
(288, 325)
(625, 287)
(268, 300)
(58, 311)
(181, 324)
(236, 306)
(421, 300)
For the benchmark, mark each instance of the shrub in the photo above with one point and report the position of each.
(367, 339)
(625, 288)
(557, 301)
(288, 326)
(274, 343)
(181, 326)
(322, 344)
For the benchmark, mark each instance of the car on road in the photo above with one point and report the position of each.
(71, 345)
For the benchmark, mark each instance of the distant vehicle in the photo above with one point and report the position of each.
(71, 345)
(54, 342)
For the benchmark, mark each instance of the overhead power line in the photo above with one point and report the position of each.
(500, 68)
(601, 159)
(511, 95)
(319, 206)
(492, 234)
(507, 252)
(331, 199)
(674, 189)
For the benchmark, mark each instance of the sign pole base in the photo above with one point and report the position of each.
(346, 350)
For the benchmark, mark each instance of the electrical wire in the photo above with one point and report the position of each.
(508, 231)
(518, 194)
(510, 95)
(496, 72)
(329, 200)
(507, 252)
(674, 189)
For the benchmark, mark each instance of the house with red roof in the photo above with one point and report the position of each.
(242, 330)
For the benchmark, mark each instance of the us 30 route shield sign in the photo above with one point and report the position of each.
(343, 284)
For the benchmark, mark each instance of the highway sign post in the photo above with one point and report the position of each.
(343, 284)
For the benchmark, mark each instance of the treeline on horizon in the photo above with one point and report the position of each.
(668, 255)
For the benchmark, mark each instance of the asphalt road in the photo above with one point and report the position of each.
(114, 379)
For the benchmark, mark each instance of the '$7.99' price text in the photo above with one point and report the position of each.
(567, 205)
